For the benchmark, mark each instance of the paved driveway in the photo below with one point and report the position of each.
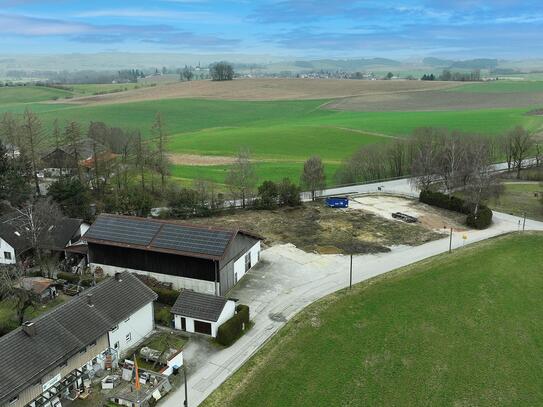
(289, 279)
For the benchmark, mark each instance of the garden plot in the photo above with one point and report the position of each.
(429, 217)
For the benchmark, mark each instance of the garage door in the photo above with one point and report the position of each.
(202, 327)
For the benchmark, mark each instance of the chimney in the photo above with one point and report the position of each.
(89, 300)
(29, 328)
(118, 277)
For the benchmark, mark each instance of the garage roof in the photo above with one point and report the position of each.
(162, 236)
(199, 306)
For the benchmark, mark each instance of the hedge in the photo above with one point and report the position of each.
(166, 296)
(85, 281)
(230, 331)
(243, 313)
(482, 220)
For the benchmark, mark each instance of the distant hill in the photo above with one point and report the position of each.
(480, 63)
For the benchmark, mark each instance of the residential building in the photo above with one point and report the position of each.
(49, 357)
(201, 258)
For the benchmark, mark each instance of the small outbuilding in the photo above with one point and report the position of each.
(201, 313)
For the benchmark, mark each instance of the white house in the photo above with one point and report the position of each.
(12, 243)
(201, 313)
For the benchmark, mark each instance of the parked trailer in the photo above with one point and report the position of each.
(404, 217)
(337, 202)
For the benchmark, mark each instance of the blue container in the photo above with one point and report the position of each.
(337, 202)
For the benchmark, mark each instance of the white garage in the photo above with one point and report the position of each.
(201, 313)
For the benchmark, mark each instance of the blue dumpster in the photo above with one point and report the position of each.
(337, 202)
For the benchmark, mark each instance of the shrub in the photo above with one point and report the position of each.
(230, 331)
(163, 315)
(267, 195)
(166, 296)
(243, 313)
(69, 277)
(482, 220)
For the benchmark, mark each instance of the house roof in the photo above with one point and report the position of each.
(199, 306)
(66, 330)
(162, 236)
(9, 233)
(37, 284)
(85, 149)
(55, 238)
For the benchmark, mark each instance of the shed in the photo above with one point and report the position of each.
(201, 313)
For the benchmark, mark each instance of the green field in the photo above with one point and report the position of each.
(273, 171)
(501, 87)
(10, 95)
(284, 131)
(456, 330)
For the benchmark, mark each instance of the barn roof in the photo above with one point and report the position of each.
(66, 330)
(162, 236)
(199, 306)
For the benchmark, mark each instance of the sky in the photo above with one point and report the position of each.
(506, 29)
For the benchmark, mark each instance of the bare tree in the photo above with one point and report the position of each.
(32, 139)
(73, 138)
(10, 131)
(482, 182)
(35, 222)
(521, 141)
(242, 178)
(161, 139)
(11, 287)
(313, 177)
(396, 153)
(425, 150)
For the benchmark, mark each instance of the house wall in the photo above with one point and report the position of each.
(237, 267)
(227, 313)
(177, 360)
(75, 362)
(201, 286)
(133, 330)
(5, 247)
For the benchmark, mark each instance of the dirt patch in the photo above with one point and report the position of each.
(263, 89)
(536, 112)
(194, 159)
(316, 228)
(429, 217)
(435, 100)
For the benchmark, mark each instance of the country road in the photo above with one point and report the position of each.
(289, 279)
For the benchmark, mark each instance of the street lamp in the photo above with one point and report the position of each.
(186, 402)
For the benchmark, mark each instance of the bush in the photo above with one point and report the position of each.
(77, 279)
(289, 193)
(163, 315)
(482, 220)
(243, 313)
(230, 331)
(166, 296)
(267, 195)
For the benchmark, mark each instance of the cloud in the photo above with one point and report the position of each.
(112, 33)
(148, 13)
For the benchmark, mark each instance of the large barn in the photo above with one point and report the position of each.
(200, 258)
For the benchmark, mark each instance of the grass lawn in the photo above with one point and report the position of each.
(501, 87)
(455, 330)
(519, 199)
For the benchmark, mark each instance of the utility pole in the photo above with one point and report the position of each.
(524, 223)
(450, 241)
(186, 403)
(351, 274)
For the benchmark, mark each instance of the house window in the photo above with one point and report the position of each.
(128, 337)
(247, 262)
(14, 400)
(116, 346)
(115, 328)
(127, 319)
(7, 255)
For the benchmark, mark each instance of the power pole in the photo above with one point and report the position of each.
(450, 241)
(351, 274)
(524, 223)
(186, 403)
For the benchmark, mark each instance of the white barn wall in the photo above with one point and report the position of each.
(239, 265)
(201, 286)
(5, 247)
(139, 325)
